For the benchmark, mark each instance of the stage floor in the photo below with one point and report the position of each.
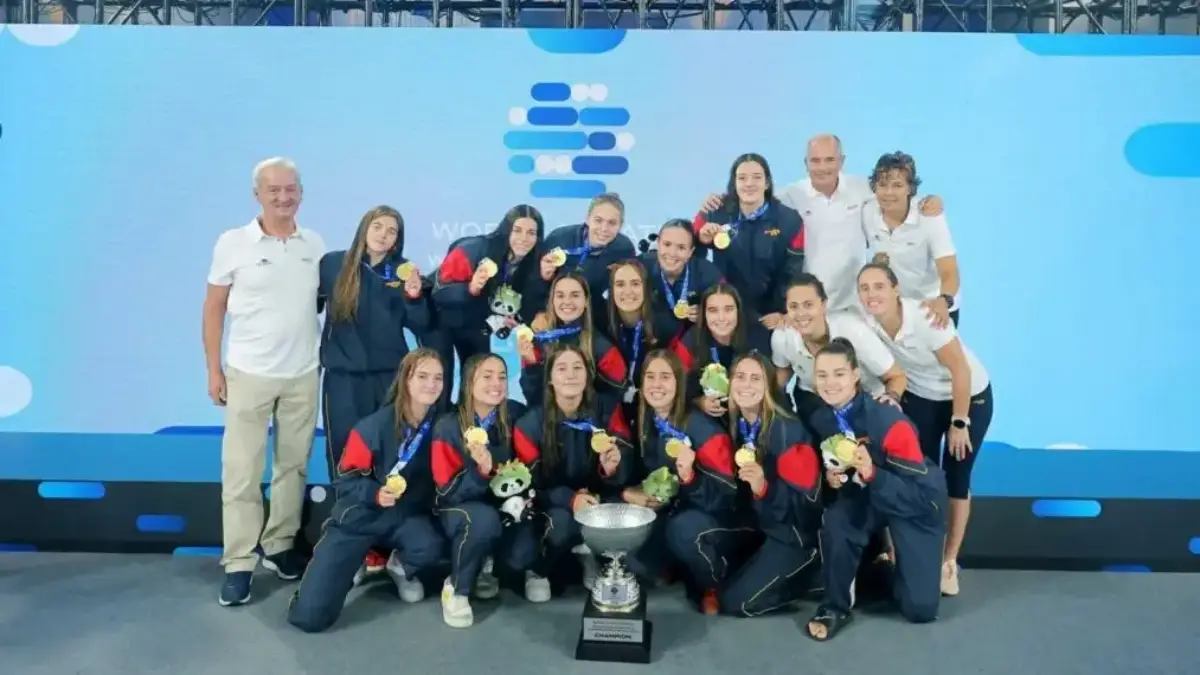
(98, 614)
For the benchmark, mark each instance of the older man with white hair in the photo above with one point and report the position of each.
(264, 278)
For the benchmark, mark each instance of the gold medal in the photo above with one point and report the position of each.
(601, 441)
(397, 484)
(404, 271)
(489, 267)
(745, 456)
(681, 309)
(844, 450)
(674, 446)
(476, 436)
(558, 257)
(722, 240)
(524, 333)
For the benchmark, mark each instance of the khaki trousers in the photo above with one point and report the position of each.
(251, 403)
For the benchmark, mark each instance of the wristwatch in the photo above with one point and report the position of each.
(949, 301)
(960, 422)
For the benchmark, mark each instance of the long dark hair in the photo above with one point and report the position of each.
(343, 305)
(466, 397)
(731, 203)
(646, 314)
(497, 248)
(552, 415)
(586, 320)
(679, 407)
(704, 338)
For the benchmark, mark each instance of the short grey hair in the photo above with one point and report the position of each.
(273, 163)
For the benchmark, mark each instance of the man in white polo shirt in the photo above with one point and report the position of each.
(831, 204)
(264, 277)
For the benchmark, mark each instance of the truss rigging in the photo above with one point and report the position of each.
(1006, 16)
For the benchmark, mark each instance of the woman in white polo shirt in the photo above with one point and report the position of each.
(917, 247)
(809, 326)
(949, 395)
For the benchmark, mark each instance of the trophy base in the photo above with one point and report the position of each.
(611, 637)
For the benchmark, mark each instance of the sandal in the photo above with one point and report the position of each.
(832, 619)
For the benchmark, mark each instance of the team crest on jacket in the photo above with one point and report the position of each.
(395, 284)
(773, 232)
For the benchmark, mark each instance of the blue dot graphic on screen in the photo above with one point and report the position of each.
(570, 140)
(1066, 508)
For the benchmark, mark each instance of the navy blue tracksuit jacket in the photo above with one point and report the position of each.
(762, 258)
(361, 356)
(906, 494)
(594, 266)
(358, 522)
(702, 275)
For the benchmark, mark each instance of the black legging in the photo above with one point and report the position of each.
(932, 419)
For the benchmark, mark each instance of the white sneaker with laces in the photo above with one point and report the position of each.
(456, 609)
(410, 590)
(537, 589)
(487, 586)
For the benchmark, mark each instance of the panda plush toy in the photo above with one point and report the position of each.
(506, 303)
(512, 485)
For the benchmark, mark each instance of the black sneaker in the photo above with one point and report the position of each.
(236, 589)
(287, 565)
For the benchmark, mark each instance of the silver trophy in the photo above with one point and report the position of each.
(614, 619)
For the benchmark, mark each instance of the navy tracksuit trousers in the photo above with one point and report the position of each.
(348, 535)
(346, 399)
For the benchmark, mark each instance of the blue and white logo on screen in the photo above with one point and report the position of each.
(569, 140)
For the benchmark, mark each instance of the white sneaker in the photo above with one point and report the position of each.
(537, 589)
(487, 586)
(591, 569)
(410, 590)
(456, 609)
(852, 598)
(950, 578)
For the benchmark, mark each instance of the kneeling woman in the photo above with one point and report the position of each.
(687, 467)
(384, 497)
(574, 445)
(875, 462)
(781, 469)
(472, 447)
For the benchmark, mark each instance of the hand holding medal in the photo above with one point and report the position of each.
(685, 457)
(408, 273)
(606, 446)
(722, 239)
(391, 491)
(477, 445)
(749, 470)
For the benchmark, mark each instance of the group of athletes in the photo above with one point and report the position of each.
(779, 378)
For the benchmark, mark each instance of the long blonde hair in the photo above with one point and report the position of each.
(398, 392)
(771, 406)
(466, 396)
(679, 407)
(585, 335)
(344, 301)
